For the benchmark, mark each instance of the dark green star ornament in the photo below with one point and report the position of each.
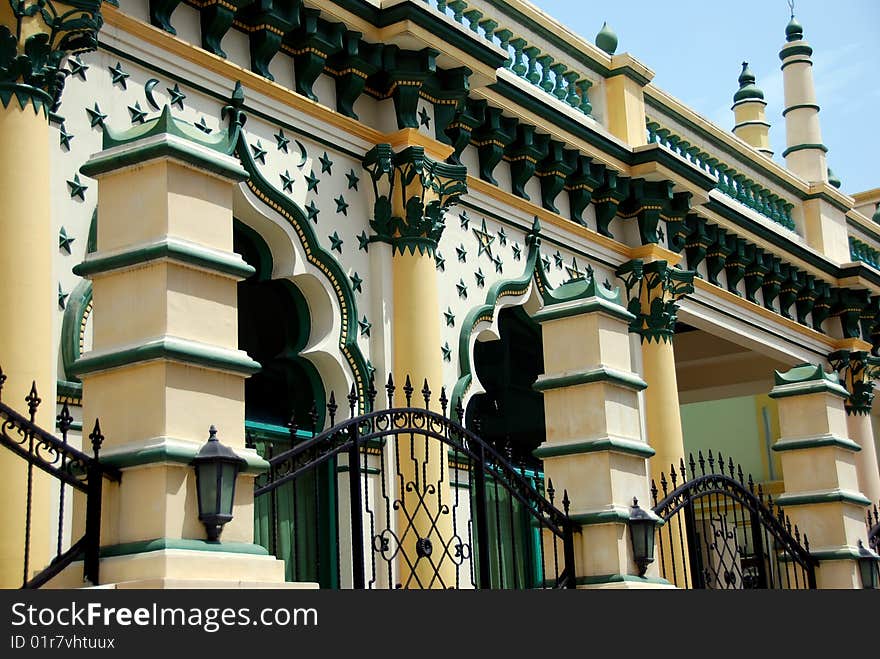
(557, 257)
(281, 140)
(96, 117)
(464, 220)
(312, 212)
(441, 262)
(341, 206)
(499, 266)
(312, 182)
(502, 237)
(76, 188)
(203, 126)
(364, 241)
(335, 243)
(480, 277)
(326, 164)
(287, 181)
(424, 118)
(462, 288)
(64, 240)
(356, 282)
(449, 316)
(177, 96)
(119, 76)
(259, 152)
(545, 263)
(461, 252)
(77, 68)
(446, 351)
(365, 326)
(64, 137)
(573, 271)
(137, 114)
(352, 180)
(517, 252)
(62, 297)
(484, 239)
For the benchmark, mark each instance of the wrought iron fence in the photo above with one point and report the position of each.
(406, 497)
(72, 469)
(722, 532)
(872, 519)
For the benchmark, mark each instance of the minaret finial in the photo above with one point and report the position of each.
(791, 6)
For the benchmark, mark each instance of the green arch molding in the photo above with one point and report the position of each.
(317, 256)
(486, 312)
(585, 288)
(73, 326)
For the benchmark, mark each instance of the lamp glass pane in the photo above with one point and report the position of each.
(229, 472)
(207, 478)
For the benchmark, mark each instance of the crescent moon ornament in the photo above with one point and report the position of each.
(148, 92)
(303, 156)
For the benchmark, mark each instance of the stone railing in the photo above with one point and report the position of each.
(734, 184)
(863, 252)
(527, 61)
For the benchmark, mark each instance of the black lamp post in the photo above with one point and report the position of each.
(216, 467)
(869, 567)
(641, 533)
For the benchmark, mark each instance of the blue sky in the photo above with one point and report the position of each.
(696, 48)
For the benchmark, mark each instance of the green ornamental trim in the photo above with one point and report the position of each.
(166, 137)
(842, 554)
(613, 444)
(175, 451)
(319, 257)
(804, 147)
(806, 379)
(30, 70)
(654, 290)
(796, 49)
(413, 177)
(857, 371)
(811, 498)
(73, 324)
(616, 516)
(170, 248)
(601, 374)
(187, 544)
(816, 442)
(172, 349)
(799, 106)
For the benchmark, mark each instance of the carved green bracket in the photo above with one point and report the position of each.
(651, 201)
(30, 66)
(607, 198)
(553, 171)
(469, 116)
(806, 299)
(423, 187)
(772, 281)
(700, 238)
(653, 290)
(351, 66)
(822, 305)
(849, 306)
(446, 90)
(311, 44)
(716, 256)
(215, 17)
(869, 317)
(523, 155)
(857, 371)
(755, 273)
(583, 181)
(491, 139)
(402, 75)
(791, 287)
(266, 22)
(160, 14)
(736, 264)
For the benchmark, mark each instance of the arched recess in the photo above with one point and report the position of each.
(298, 257)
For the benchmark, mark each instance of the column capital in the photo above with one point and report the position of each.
(35, 36)
(654, 290)
(413, 191)
(857, 370)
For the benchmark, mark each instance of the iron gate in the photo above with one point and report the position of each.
(721, 532)
(408, 498)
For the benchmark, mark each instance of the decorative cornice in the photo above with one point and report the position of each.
(612, 444)
(806, 379)
(857, 371)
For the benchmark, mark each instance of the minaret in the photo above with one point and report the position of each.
(805, 153)
(749, 112)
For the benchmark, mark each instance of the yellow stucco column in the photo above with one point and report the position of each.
(164, 365)
(28, 91)
(857, 370)
(822, 494)
(654, 287)
(594, 448)
(412, 191)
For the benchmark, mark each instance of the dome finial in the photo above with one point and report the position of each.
(794, 31)
(606, 39)
(747, 87)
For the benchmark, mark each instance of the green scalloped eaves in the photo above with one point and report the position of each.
(317, 256)
(166, 123)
